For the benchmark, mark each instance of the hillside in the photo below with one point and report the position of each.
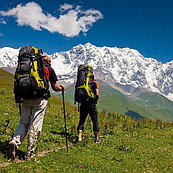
(138, 79)
(149, 105)
(129, 146)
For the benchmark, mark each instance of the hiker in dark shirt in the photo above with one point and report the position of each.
(90, 108)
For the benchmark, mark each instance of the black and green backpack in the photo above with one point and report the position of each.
(83, 88)
(30, 74)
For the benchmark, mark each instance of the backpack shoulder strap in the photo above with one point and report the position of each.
(47, 74)
(97, 84)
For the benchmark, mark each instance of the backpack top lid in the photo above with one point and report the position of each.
(32, 51)
(89, 67)
(84, 70)
(85, 67)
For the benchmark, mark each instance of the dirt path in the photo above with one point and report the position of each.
(39, 154)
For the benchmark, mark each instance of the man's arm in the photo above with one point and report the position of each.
(97, 94)
(55, 87)
(53, 79)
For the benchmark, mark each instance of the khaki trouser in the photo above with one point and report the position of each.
(31, 121)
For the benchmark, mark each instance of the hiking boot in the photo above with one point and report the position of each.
(98, 141)
(11, 150)
(29, 155)
(77, 140)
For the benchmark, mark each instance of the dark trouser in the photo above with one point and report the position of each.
(92, 110)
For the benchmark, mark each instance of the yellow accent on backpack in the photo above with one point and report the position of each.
(29, 77)
(86, 85)
(34, 72)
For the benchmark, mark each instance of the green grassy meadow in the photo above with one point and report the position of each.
(145, 145)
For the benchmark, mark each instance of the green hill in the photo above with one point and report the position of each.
(129, 146)
(149, 105)
(157, 103)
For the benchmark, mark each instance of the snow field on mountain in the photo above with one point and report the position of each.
(120, 65)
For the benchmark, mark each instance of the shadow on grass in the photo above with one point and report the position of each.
(71, 137)
(4, 149)
(134, 115)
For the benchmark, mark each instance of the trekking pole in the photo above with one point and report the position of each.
(65, 119)
(20, 109)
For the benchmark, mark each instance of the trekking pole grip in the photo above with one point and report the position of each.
(62, 89)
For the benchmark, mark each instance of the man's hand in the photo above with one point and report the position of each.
(63, 87)
(55, 87)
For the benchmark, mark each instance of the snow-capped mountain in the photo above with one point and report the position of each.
(117, 66)
(8, 57)
(122, 66)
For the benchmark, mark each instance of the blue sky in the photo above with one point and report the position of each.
(59, 25)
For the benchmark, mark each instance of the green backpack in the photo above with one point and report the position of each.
(30, 74)
(83, 88)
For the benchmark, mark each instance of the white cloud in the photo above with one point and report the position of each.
(70, 23)
(65, 7)
(2, 21)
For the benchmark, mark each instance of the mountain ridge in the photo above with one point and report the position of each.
(124, 66)
(119, 67)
